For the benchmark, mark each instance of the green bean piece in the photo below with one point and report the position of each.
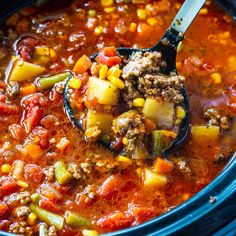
(48, 217)
(63, 176)
(48, 82)
(35, 197)
(76, 220)
(43, 231)
(157, 142)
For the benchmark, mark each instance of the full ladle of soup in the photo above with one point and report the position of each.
(132, 100)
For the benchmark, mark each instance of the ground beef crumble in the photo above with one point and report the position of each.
(143, 78)
(215, 118)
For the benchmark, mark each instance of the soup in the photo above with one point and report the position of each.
(54, 181)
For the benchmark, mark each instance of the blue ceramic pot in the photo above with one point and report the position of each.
(197, 216)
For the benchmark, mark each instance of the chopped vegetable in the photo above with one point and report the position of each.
(200, 132)
(108, 56)
(106, 3)
(22, 184)
(63, 176)
(34, 150)
(27, 89)
(161, 112)
(48, 82)
(48, 217)
(43, 230)
(92, 133)
(100, 119)
(32, 219)
(117, 82)
(75, 83)
(87, 232)
(35, 197)
(104, 91)
(103, 72)
(124, 159)
(153, 179)
(82, 65)
(5, 168)
(162, 166)
(23, 71)
(76, 220)
(98, 30)
(63, 143)
(17, 169)
(138, 102)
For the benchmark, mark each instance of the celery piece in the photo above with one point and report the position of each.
(48, 217)
(48, 82)
(76, 220)
(63, 176)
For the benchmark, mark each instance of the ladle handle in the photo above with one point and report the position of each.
(186, 15)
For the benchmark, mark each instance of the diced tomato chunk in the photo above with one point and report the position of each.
(4, 210)
(33, 117)
(36, 99)
(43, 135)
(110, 186)
(108, 56)
(7, 109)
(141, 214)
(115, 221)
(34, 173)
(50, 192)
(7, 185)
(49, 205)
(17, 131)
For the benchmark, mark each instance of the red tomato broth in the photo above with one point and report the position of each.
(65, 30)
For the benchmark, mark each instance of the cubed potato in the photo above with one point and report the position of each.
(159, 111)
(23, 71)
(103, 90)
(200, 132)
(102, 120)
(153, 179)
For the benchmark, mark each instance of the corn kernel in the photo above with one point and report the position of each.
(114, 70)
(32, 219)
(133, 27)
(138, 102)
(117, 82)
(87, 232)
(106, 3)
(216, 77)
(91, 13)
(22, 184)
(75, 83)
(27, 89)
(5, 168)
(203, 11)
(125, 141)
(42, 51)
(98, 30)
(109, 9)
(180, 46)
(103, 71)
(142, 14)
(152, 21)
(124, 159)
(180, 112)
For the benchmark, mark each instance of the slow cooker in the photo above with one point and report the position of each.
(199, 215)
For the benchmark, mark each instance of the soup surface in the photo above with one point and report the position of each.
(52, 181)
